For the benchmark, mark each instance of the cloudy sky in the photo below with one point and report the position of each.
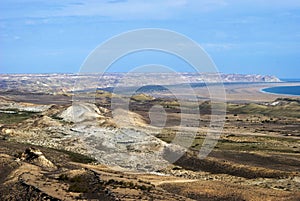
(249, 36)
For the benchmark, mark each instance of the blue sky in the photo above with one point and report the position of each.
(248, 36)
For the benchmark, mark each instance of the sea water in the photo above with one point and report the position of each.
(286, 90)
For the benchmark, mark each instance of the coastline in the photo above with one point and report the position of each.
(284, 94)
(255, 93)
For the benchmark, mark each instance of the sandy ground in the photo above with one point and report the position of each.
(234, 93)
(247, 92)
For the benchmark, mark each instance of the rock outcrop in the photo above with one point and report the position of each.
(36, 157)
(80, 112)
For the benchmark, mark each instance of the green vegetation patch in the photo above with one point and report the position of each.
(289, 109)
(78, 158)
(142, 97)
(264, 144)
(15, 116)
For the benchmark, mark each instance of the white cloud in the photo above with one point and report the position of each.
(134, 9)
(17, 37)
(115, 9)
(218, 46)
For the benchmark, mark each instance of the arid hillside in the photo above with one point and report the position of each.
(50, 152)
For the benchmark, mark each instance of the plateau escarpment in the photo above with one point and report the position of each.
(64, 83)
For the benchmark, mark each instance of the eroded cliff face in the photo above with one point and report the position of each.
(249, 78)
(64, 83)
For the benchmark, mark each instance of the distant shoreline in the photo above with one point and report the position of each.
(286, 94)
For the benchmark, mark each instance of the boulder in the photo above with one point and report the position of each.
(36, 157)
